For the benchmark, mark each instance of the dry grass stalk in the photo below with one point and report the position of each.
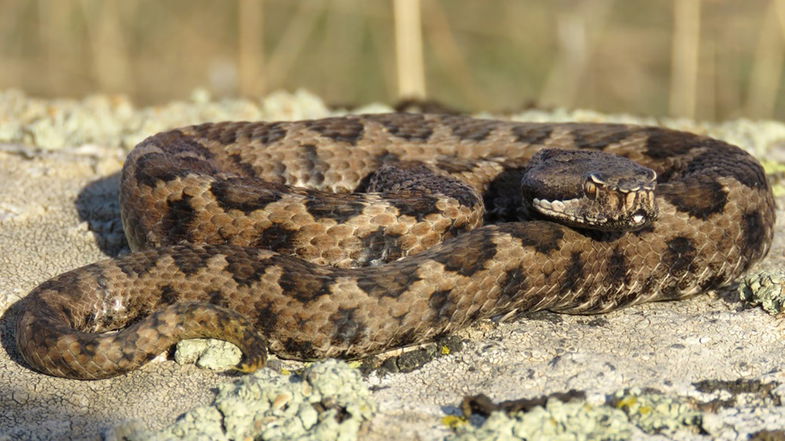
(408, 49)
(292, 43)
(250, 58)
(684, 58)
(767, 67)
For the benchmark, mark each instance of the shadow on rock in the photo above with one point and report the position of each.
(8, 332)
(99, 205)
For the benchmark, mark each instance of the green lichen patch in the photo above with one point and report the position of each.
(208, 353)
(569, 417)
(766, 289)
(413, 359)
(327, 402)
(482, 405)
(573, 421)
(656, 413)
(114, 120)
(740, 392)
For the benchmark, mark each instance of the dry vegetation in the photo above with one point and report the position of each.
(709, 59)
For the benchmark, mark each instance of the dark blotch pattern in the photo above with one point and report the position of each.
(266, 318)
(338, 207)
(414, 177)
(348, 327)
(588, 136)
(726, 160)
(574, 274)
(245, 266)
(513, 284)
(190, 261)
(455, 165)
(545, 237)
(533, 134)
(700, 196)
(227, 137)
(440, 304)
(418, 208)
(178, 222)
(62, 282)
(626, 299)
(242, 167)
(245, 194)
(268, 133)
(277, 238)
(133, 265)
(380, 246)
(302, 280)
(618, 271)
(755, 236)
(410, 127)
(405, 338)
(503, 199)
(314, 164)
(713, 282)
(716, 158)
(679, 256)
(169, 296)
(475, 130)
(469, 253)
(338, 129)
(381, 282)
(664, 143)
(156, 168)
(301, 349)
(217, 298)
(176, 143)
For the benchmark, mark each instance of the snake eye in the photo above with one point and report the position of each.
(596, 179)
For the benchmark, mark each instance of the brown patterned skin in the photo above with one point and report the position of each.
(200, 203)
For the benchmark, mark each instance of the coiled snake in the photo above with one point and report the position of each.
(346, 236)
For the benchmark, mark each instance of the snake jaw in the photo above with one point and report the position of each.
(588, 189)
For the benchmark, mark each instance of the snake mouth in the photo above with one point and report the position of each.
(604, 210)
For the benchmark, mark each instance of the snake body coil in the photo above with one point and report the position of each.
(256, 233)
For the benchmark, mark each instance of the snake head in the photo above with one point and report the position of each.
(589, 189)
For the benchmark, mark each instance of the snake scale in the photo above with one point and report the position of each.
(346, 236)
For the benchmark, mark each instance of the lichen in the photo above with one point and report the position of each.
(766, 290)
(208, 353)
(624, 414)
(327, 402)
(571, 421)
(656, 413)
(114, 120)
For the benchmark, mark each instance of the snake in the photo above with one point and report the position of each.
(348, 236)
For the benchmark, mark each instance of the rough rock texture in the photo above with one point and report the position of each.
(58, 210)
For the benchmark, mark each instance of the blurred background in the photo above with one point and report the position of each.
(705, 59)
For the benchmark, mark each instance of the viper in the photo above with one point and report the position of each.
(347, 236)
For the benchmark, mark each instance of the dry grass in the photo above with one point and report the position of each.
(708, 59)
